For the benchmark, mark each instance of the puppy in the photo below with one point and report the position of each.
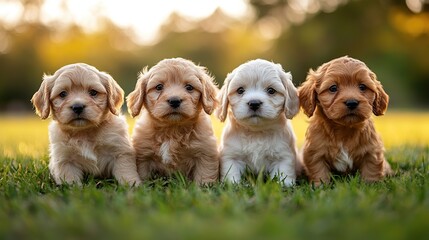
(340, 97)
(174, 132)
(86, 134)
(261, 97)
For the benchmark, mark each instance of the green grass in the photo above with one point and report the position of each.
(32, 206)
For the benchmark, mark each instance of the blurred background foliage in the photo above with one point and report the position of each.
(390, 36)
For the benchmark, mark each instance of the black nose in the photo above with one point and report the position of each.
(174, 102)
(77, 108)
(351, 103)
(254, 104)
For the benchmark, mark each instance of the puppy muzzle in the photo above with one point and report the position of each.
(174, 102)
(78, 108)
(254, 104)
(351, 104)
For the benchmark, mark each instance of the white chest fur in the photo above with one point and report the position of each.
(164, 152)
(87, 151)
(260, 151)
(82, 148)
(343, 162)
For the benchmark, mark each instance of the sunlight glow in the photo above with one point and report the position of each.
(415, 5)
(10, 13)
(144, 18)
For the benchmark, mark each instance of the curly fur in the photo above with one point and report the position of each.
(171, 139)
(340, 97)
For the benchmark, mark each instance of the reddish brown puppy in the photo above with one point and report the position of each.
(340, 97)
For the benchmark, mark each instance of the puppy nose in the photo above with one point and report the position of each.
(351, 103)
(254, 104)
(174, 102)
(78, 108)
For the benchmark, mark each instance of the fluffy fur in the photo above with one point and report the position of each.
(340, 97)
(174, 131)
(86, 134)
(258, 97)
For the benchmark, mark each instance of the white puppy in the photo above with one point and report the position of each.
(258, 135)
(87, 135)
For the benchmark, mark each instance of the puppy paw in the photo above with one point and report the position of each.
(130, 182)
(288, 182)
(231, 179)
(132, 179)
(319, 183)
(67, 174)
(69, 180)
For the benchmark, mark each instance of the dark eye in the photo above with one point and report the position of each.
(240, 90)
(159, 87)
(362, 87)
(93, 93)
(63, 94)
(189, 87)
(333, 88)
(271, 91)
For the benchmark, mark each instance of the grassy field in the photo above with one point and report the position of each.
(32, 206)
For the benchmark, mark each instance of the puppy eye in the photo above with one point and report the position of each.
(159, 87)
(333, 88)
(63, 94)
(93, 93)
(362, 87)
(240, 90)
(271, 91)
(189, 87)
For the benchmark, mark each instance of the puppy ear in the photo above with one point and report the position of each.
(381, 100)
(115, 94)
(136, 98)
(292, 101)
(209, 91)
(307, 94)
(307, 91)
(41, 99)
(222, 111)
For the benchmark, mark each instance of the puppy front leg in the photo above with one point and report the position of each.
(285, 171)
(372, 168)
(231, 170)
(317, 170)
(66, 172)
(207, 170)
(125, 170)
(144, 170)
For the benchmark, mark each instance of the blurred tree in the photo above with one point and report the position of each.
(392, 40)
(20, 67)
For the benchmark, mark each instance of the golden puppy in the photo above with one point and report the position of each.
(174, 131)
(342, 94)
(86, 135)
(261, 98)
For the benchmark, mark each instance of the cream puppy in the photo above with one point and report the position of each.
(257, 135)
(174, 132)
(86, 134)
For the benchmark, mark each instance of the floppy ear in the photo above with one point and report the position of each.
(136, 98)
(307, 91)
(381, 100)
(209, 91)
(307, 94)
(292, 101)
(222, 111)
(115, 94)
(41, 99)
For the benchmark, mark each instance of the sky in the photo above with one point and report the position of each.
(144, 17)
